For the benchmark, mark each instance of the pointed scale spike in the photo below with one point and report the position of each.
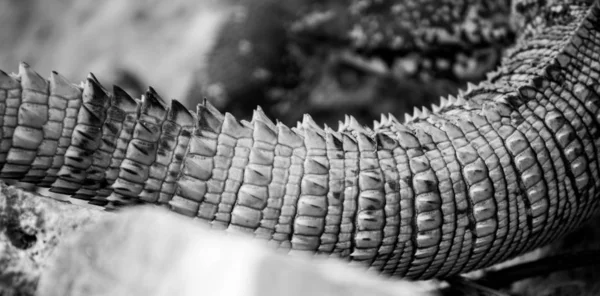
(407, 117)
(32, 80)
(307, 121)
(85, 139)
(122, 100)
(470, 87)
(210, 107)
(425, 113)
(94, 97)
(153, 105)
(333, 139)
(264, 132)
(259, 115)
(7, 81)
(443, 102)
(70, 95)
(180, 114)
(172, 144)
(355, 125)
(451, 100)
(59, 85)
(289, 137)
(376, 125)
(209, 118)
(460, 101)
(416, 113)
(313, 139)
(128, 108)
(436, 108)
(234, 128)
(384, 120)
(119, 117)
(341, 126)
(30, 145)
(347, 120)
(93, 77)
(365, 142)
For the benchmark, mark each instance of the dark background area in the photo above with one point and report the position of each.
(290, 57)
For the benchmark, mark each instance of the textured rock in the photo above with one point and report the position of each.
(30, 228)
(152, 252)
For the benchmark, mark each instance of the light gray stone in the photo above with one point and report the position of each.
(154, 252)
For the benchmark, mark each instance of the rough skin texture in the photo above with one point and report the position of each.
(508, 165)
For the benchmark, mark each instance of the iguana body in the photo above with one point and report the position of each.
(507, 166)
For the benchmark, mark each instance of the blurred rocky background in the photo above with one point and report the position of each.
(324, 57)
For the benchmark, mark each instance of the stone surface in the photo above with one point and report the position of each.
(31, 226)
(153, 252)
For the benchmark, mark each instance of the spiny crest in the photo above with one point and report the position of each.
(460, 101)
(209, 118)
(425, 113)
(353, 125)
(259, 115)
(31, 79)
(443, 102)
(470, 87)
(384, 123)
(288, 136)
(451, 100)
(416, 114)
(309, 123)
(299, 125)
(397, 127)
(341, 126)
(392, 119)
(153, 104)
(234, 128)
(384, 119)
(376, 125)
(94, 97)
(435, 108)
(7, 81)
(407, 118)
(122, 100)
(313, 139)
(264, 129)
(180, 114)
(333, 138)
(59, 85)
(96, 81)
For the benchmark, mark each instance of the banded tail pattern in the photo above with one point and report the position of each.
(508, 165)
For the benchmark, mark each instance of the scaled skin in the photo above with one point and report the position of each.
(507, 166)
